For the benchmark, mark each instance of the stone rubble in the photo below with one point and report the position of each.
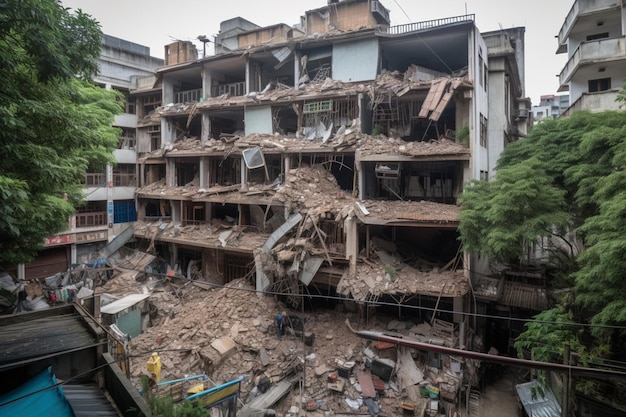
(230, 331)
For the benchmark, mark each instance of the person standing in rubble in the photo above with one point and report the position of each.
(279, 326)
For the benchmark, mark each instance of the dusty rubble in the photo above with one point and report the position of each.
(230, 331)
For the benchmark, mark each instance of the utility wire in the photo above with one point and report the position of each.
(407, 16)
(422, 308)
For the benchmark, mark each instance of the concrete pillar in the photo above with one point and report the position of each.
(458, 305)
(202, 171)
(244, 175)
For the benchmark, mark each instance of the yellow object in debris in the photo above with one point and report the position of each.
(154, 366)
(195, 389)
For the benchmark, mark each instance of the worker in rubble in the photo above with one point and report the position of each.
(279, 326)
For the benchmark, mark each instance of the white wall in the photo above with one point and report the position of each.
(258, 120)
(355, 61)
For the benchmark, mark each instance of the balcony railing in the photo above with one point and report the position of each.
(600, 101)
(234, 89)
(91, 219)
(188, 96)
(95, 180)
(582, 7)
(593, 52)
(428, 24)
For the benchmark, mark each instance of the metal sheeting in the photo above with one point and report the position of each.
(123, 303)
(527, 296)
(88, 401)
(36, 398)
(28, 339)
(534, 403)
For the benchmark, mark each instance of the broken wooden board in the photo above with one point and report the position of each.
(367, 386)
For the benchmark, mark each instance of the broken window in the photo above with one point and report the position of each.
(187, 172)
(434, 181)
(127, 139)
(156, 209)
(193, 213)
(322, 118)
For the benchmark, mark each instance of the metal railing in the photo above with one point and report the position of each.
(188, 96)
(95, 180)
(234, 89)
(428, 24)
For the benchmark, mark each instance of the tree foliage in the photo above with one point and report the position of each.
(566, 180)
(54, 124)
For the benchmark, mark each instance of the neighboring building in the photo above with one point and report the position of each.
(550, 107)
(328, 159)
(110, 195)
(594, 38)
(61, 362)
(505, 77)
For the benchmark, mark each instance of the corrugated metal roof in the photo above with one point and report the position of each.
(87, 401)
(123, 303)
(45, 335)
(528, 296)
(534, 403)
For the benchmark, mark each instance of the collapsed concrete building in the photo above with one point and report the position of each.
(326, 160)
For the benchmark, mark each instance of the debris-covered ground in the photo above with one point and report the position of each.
(230, 331)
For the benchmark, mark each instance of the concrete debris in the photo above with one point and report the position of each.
(230, 332)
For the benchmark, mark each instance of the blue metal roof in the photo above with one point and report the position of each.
(37, 397)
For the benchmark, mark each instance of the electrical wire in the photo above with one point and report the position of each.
(398, 4)
(422, 308)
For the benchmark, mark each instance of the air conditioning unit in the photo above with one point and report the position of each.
(522, 113)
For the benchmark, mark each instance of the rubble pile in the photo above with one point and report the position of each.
(313, 189)
(231, 332)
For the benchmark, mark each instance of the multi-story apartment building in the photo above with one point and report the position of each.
(593, 36)
(327, 159)
(550, 106)
(109, 195)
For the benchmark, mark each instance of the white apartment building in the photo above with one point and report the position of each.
(593, 36)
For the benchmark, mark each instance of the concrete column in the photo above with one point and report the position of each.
(458, 304)
(287, 165)
(202, 169)
(170, 173)
(207, 81)
(244, 175)
(296, 68)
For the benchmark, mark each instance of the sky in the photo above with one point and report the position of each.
(156, 24)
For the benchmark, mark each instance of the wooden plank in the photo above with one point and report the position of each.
(433, 97)
(367, 386)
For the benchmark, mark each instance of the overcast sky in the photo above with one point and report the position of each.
(156, 24)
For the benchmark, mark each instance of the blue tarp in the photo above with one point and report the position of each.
(36, 398)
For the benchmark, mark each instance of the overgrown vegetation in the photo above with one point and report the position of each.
(566, 184)
(54, 123)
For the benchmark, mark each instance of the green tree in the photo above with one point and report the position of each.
(567, 182)
(54, 124)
